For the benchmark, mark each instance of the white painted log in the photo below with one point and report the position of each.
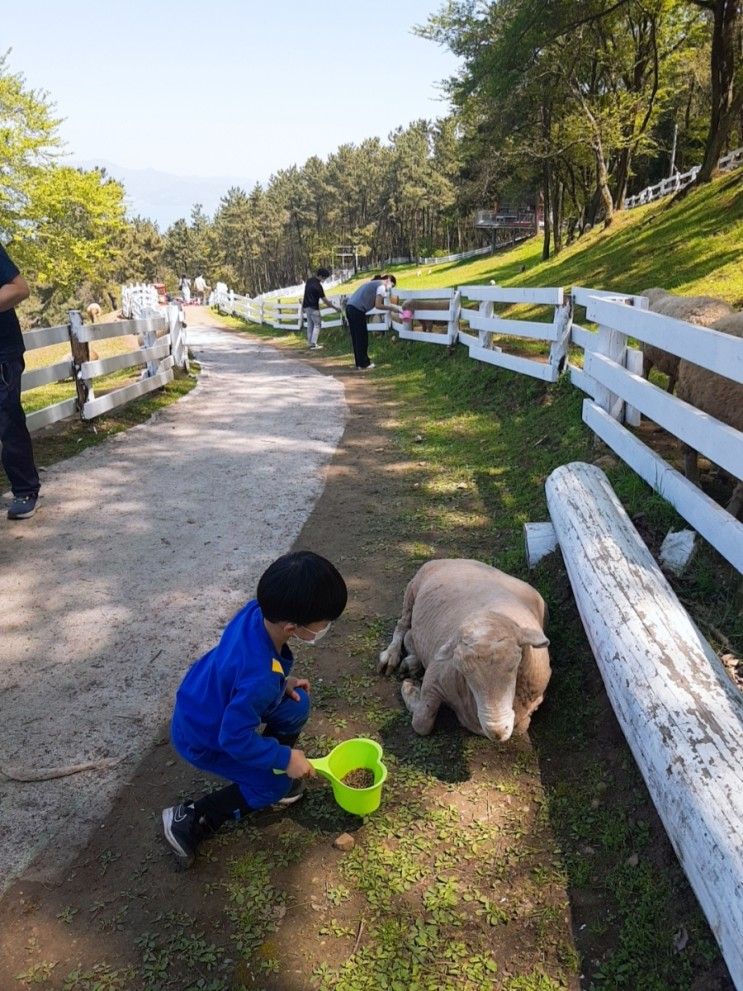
(681, 716)
(540, 539)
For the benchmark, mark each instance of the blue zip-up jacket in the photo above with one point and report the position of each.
(227, 694)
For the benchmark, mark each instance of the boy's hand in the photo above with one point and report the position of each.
(292, 683)
(299, 766)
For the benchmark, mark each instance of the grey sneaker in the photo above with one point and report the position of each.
(315, 347)
(21, 507)
(294, 794)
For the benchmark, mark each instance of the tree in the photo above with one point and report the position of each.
(28, 142)
(68, 234)
(726, 71)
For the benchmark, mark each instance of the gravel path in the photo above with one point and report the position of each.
(142, 549)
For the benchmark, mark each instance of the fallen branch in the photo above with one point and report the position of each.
(48, 773)
(358, 937)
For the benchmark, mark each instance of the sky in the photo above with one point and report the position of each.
(226, 88)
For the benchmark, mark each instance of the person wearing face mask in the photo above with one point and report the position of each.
(370, 296)
(243, 683)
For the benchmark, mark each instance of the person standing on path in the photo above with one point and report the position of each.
(314, 294)
(368, 297)
(199, 285)
(17, 451)
(185, 287)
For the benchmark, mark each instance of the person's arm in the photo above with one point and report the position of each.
(13, 293)
(239, 736)
(379, 304)
(324, 299)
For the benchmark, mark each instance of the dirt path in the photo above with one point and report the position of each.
(141, 550)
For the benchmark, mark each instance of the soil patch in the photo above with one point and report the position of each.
(487, 868)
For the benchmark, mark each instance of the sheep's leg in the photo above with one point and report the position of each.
(691, 469)
(389, 659)
(411, 665)
(423, 702)
(672, 380)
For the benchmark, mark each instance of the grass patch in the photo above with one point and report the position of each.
(483, 441)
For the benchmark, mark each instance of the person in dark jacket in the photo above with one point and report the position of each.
(314, 294)
(15, 440)
(245, 682)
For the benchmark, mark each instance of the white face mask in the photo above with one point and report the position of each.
(316, 637)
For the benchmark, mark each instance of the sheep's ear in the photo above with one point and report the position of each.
(533, 638)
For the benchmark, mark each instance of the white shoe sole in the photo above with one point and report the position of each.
(173, 843)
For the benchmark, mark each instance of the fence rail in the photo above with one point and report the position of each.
(680, 180)
(609, 374)
(162, 347)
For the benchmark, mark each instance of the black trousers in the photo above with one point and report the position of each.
(17, 452)
(359, 336)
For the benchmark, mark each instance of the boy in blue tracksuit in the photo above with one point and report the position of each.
(245, 682)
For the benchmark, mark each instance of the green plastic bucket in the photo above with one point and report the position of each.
(352, 755)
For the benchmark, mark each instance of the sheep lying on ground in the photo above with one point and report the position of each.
(716, 395)
(702, 310)
(478, 635)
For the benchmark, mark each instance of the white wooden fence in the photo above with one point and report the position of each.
(610, 373)
(680, 181)
(162, 346)
(138, 299)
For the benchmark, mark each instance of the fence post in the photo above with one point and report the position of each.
(613, 345)
(80, 354)
(178, 342)
(149, 340)
(454, 307)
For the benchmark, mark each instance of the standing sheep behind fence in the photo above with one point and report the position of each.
(716, 395)
(701, 310)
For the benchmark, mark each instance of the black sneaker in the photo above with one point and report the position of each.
(294, 794)
(183, 831)
(21, 507)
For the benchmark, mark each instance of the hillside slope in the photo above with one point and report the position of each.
(693, 246)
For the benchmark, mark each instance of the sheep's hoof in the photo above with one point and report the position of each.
(387, 661)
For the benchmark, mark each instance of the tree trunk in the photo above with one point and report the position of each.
(557, 198)
(547, 221)
(726, 103)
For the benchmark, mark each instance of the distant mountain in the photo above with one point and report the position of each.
(164, 197)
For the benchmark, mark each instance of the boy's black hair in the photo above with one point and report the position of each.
(323, 273)
(377, 275)
(392, 278)
(301, 587)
